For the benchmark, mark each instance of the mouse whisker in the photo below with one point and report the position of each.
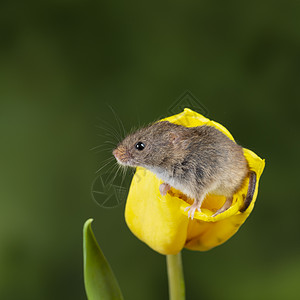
(110, 143)
(109, 160)
(108, 127)
(108, 149)
(110, 132)
(109, 174)
(124, 171)
(102, 146)
(115, 175)
(119, 122)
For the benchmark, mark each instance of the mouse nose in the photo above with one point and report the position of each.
(116, 153)
(120, 154)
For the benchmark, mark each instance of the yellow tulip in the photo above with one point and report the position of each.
(162, 222)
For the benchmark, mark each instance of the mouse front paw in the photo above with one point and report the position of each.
(164, 188)
(195, 206)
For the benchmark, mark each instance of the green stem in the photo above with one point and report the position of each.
(175, 276)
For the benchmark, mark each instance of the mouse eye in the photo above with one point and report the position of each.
(140, 146)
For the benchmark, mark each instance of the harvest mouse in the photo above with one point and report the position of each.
(195, 160)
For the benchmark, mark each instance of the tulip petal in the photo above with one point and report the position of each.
(156, 220)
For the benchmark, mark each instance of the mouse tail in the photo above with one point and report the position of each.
(251, 190)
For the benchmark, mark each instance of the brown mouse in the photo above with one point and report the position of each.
(195, 160)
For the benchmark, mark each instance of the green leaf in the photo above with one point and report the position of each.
(100, 282)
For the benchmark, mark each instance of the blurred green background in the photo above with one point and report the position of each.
(62, 63)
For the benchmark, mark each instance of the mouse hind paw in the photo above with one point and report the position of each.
(226, 205)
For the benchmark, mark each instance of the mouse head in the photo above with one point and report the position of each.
(149, 146)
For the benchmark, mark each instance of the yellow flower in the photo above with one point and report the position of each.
(161, 221)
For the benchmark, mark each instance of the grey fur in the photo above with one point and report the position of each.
(195, 160)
